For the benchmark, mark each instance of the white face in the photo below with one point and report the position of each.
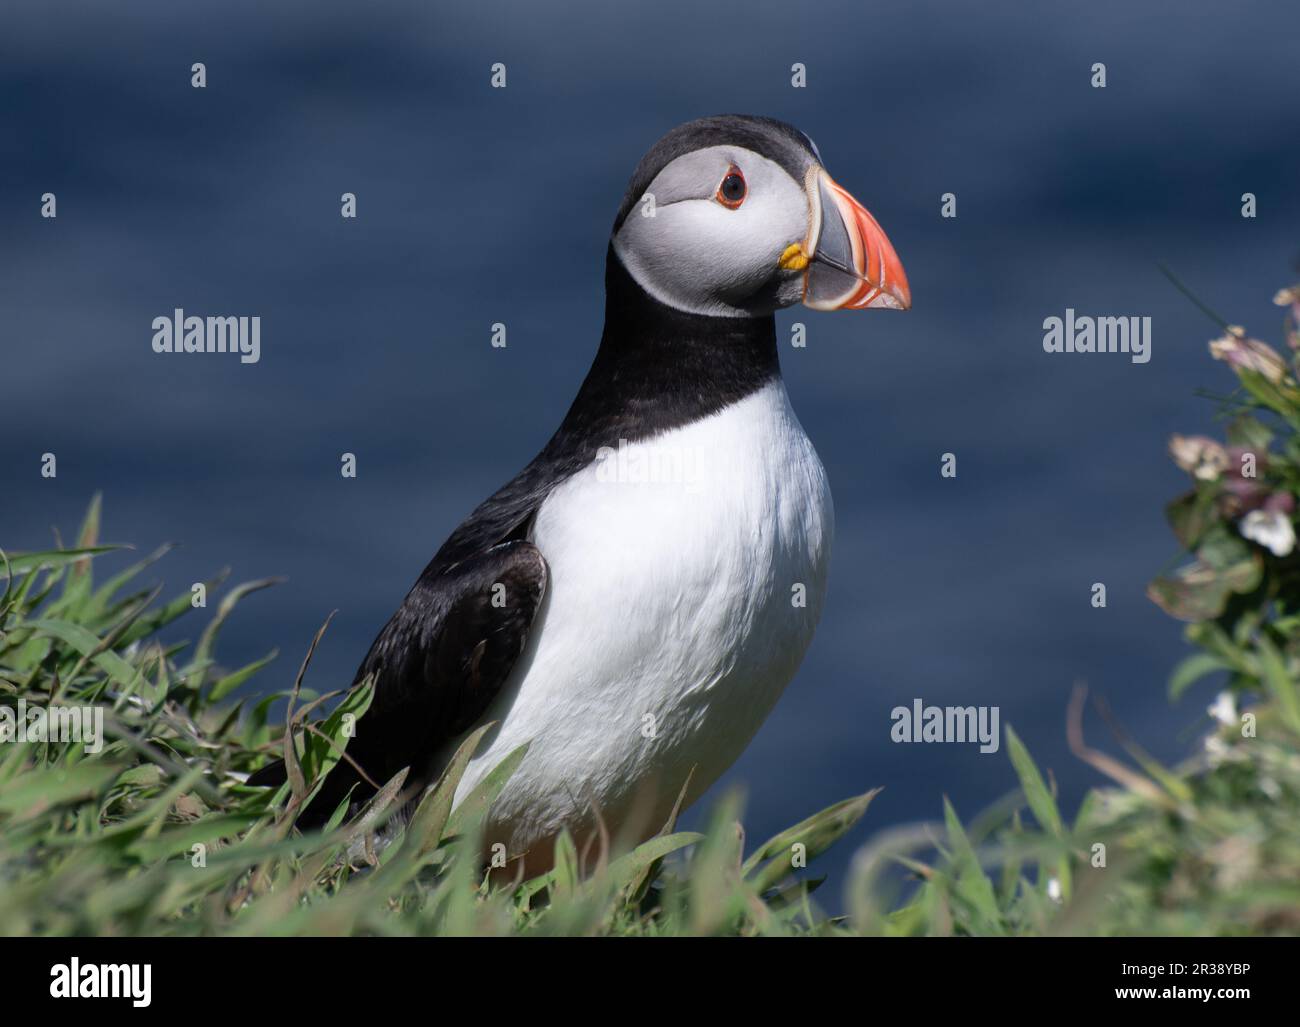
(705, 253)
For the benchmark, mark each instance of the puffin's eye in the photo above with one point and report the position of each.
(731, 193)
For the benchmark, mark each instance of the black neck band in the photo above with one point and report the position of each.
(659, 368)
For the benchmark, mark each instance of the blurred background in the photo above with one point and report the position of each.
(480, 205)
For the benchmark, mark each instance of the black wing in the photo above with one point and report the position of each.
(438, 663)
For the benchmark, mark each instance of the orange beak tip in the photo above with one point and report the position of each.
(876, 279)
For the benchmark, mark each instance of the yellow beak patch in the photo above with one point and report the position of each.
(794, 258)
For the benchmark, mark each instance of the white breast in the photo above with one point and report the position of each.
(687, 573)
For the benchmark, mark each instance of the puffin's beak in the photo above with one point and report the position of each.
(848, 260)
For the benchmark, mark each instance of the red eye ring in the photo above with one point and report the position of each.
(733, 189)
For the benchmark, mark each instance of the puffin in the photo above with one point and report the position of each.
(631, 605)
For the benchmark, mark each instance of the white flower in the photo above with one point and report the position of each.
(1054, 889)
(1272, 529)
(1224, 709)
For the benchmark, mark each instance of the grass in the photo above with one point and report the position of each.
(157, 834)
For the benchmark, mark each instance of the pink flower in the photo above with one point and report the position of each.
(1243, 354)
(1199, 456)
(1280, 502)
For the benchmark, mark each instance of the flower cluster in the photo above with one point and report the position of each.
(1240, 591)
(1261, 511)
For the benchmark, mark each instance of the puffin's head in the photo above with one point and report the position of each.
(735, 216)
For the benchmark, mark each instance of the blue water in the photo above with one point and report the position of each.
(479, 206)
